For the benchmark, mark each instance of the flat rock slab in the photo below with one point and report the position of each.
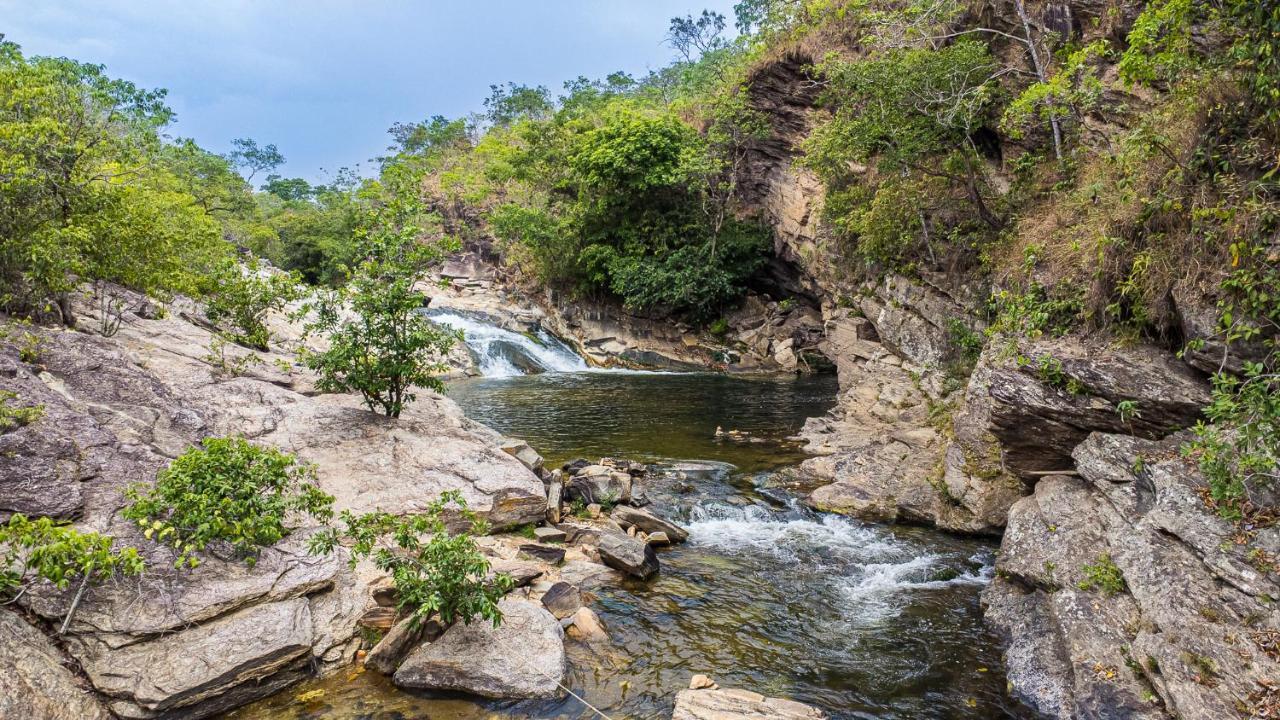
(521, 658)
(648, 522)
(733, 704)
(184, 669)
(550, 534)
(562, 600)
(34, 683)
(546, 553)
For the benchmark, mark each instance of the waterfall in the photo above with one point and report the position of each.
(503, 353)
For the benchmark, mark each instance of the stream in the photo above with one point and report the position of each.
(861, 620)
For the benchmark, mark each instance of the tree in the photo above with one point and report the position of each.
(387, 347)
(247, 154)
(244, 293)
(511, 102)
(294, 189)
(435, 571)
(692, 37)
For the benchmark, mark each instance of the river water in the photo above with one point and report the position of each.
(862, 620)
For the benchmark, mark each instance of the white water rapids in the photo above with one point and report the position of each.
(504, 353)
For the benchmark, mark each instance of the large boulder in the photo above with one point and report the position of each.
(600, 484)
(35, 683)
(1122, 595)
(521, 658)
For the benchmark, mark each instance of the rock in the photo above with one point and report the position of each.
(200, 670)
(594, 510)
(586, 626)
(385, 657)
(550, 534)
(555, 503)
(384, 592)
(35, 683)
(562, 600)
(521, 658)
(700, 682)
(648, 522)
(659, 539)
(378, 618)
(1185, 618)
(545, 553)
(628, 555)
(912, 318)
(733, 704)
(598, 484)
(523, 573)
(521, 451)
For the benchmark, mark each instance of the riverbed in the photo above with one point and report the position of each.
(862, 620)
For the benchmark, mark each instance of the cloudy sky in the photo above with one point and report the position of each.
(322, 79)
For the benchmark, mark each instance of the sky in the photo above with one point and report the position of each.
(323, 80)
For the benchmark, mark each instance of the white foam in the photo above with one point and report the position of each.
(548, 353)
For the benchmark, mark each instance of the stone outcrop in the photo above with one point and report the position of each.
(522, 658)
(34, 682)
(116, 410)
(1122, 595)
(629, 555)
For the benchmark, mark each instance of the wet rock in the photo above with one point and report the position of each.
(586, 625)
(35, 683)
(629, 555)
(734, 704)
(648, 522)
(545, 553)
(562, 600)
(521, 658)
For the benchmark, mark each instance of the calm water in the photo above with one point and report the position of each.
(862, 620)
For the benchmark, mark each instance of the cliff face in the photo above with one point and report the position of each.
(997, 444)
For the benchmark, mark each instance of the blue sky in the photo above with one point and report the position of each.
(323, 80)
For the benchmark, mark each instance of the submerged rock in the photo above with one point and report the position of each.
(733, 704)
(521, 658)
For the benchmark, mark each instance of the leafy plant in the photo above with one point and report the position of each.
(388, 347)
(243, 294)
(12, 417)
(50, 550)
(435, 570)
(227, 492)
(1103, 575)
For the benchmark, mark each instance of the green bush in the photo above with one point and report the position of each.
(389, 347)
(243, 294)
(53, 551)
(435, 570)
(230, 492)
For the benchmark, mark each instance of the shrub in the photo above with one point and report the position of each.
(12, 418)
(243, 295)
(388, 347)
(1104, 575)
(434, 570)
(227, 491)
(47, 549)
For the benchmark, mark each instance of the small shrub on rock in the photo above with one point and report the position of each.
(231, 492)
(1104, 576)
(14, 417)
(435, 571)
(242, 295)
(51, 550)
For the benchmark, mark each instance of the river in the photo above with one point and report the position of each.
(862, 620)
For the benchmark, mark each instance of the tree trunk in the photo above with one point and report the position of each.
(1041, 74)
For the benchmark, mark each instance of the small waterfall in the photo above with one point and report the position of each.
(503, 353)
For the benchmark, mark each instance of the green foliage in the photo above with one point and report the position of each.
(1049, 370)
(1034, 312)
(14, 417)
(1104, 576)
(435, 570)
(1160, 43)
(49, 550)
(227, 492)
(386, 348)
(1074, 90)
(1128, 410)
(243, 294)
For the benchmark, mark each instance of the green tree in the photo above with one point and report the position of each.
(243, 293)
(435, 570)
(229, 492)
(386, 347)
